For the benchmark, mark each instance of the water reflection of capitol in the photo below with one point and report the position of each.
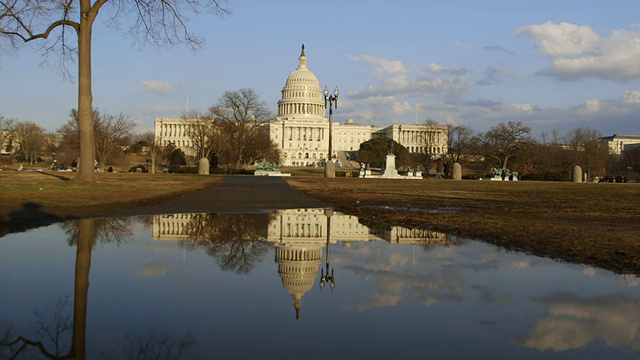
(299, 237)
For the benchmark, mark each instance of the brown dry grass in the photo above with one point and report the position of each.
(54, 189)
(594, 224)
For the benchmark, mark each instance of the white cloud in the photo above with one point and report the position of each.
(592, 105)
(437, 69)
(520, 107)
(631, 96)
(578, 51)
(157, 87)
(461, 44)
(561, 39)
(382, 66)
(396, 80)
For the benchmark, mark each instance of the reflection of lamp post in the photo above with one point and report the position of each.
(327, 278)
(330, 170)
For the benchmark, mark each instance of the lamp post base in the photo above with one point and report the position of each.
(330, 169)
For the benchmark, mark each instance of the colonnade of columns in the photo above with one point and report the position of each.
(419, 140)
(302, 230)
(298, 108)
(174, 130)
(305, 133)
(299, 254)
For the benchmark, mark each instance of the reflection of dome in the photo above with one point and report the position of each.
(302, 94)
(298, 268)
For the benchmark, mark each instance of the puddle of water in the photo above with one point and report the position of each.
(304, 283)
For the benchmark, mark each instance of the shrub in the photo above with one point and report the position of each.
(187, 170)
(547, 176)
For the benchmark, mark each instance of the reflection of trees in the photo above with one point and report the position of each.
(104, 231)
(430, 244)
(146, 221)
(52, 326)
(234, 240)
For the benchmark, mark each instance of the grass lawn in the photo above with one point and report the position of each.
(55, 190)
(591, 223)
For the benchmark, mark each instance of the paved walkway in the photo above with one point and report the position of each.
(235, 194)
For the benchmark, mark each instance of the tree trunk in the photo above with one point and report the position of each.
(86, 171)
(86, 232)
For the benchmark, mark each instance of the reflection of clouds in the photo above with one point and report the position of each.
(157, 268)
(629, 280)
(490, 295)
(424, 286)
(522, 264)
(573, 323)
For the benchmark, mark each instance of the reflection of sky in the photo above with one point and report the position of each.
(390, 301)
(572, 322)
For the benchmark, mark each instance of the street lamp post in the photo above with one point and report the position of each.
(330, 167)
(324, 276)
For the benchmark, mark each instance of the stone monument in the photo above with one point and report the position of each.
(330, 169)
(576, 175)
(389, 170)
(203, 166)
(266, 168)
(456, 171)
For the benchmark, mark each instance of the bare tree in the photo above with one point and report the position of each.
(241, 115)
(31, 139)
(209, 136)
(459, 140)
(154, 148)
(588, 151)
(430, 142)
(7, 129)
(157, 22)
(109, 131)
(502, 141)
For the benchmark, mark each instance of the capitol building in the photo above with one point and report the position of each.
(301, 128)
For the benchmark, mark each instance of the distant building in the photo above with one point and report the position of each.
(176, 131)
(418, 138)
(301, 128)
(617, 143)
(8, 145)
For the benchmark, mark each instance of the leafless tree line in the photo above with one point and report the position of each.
(511, 145)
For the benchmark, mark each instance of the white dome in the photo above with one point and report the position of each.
(302, 94)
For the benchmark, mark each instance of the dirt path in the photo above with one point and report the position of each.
(235, 194)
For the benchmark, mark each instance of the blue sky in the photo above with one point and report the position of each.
(553, 65)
